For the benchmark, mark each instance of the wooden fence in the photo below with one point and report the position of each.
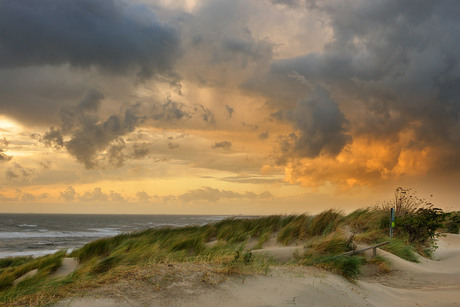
(360, 251)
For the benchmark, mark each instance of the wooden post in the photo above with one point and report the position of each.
(392, 221)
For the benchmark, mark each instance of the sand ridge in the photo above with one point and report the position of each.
(428, 283)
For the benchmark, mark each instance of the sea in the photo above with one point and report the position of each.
(41, 234)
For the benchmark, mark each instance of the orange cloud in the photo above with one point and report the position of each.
(364, 162)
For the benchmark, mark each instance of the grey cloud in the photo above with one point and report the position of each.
(229, 111)
(69, 194)
(53, 137)
(109, 34)
(86, 108)
(171, 111)
(250, 126)
(291, 3)
(206, 114)
(399, 53)
(7, 199)
(88, 135)
(24, 197)
(96, 195)
(390, 67)
(172, 145)
(93, 137)
(143, 196)
(320, 127)
(4, 157)
(116, 197)
(140, 150)
(115, 154)
(28, 197)
(10, 174)
(252, 179)
(222, 145)
(18, 172)
(46, 165)
(264, 135)
(214, 195)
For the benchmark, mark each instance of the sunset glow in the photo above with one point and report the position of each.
(227, 107)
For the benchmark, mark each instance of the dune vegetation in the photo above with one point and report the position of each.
(228, 247)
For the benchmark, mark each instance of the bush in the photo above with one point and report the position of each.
(421, 225)
(415, 218)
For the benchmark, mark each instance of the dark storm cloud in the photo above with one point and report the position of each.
(321, 127)
(109, 34)
(53, 137)
(292, 3)
(172, 112)
(96, 141)
(89, 135)
(86, 107)
(390, 67)
(92, 137)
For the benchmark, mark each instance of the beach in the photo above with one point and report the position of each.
(427, 283)
(42, 234)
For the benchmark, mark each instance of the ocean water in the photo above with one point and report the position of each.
(40, 234)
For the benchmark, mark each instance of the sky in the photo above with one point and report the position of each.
(227, 106)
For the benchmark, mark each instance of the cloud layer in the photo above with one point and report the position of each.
(343, 94)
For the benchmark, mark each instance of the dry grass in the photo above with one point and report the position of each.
(153, 258)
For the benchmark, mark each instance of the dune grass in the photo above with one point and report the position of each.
(326, 237)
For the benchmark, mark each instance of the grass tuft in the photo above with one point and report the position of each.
(401, 249)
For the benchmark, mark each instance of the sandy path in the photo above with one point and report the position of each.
(428, 283)
(68, 265)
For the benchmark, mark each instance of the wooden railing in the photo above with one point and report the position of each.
(360, 251)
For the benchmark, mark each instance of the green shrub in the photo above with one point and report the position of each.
(420, 226)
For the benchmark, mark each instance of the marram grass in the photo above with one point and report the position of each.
(107, 260)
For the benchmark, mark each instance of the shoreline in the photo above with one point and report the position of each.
(199, 265)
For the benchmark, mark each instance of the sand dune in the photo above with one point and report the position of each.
(428, 283)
